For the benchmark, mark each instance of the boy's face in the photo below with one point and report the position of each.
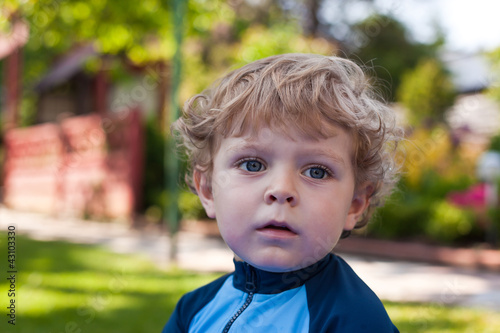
(281, 204)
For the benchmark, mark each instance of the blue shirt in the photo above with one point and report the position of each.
(327, 296)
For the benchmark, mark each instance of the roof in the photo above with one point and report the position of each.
(66, 67)
(470, 72)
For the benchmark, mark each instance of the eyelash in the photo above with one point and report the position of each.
(238, 163)
(329, 173)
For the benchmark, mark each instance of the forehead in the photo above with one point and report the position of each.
(267, 139)
(293, 131)
(296, 129)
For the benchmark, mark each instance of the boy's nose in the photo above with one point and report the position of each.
(282, 191)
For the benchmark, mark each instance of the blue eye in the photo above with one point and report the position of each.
(316, 173)
(252, 166)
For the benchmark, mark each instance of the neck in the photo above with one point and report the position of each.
(265, 282)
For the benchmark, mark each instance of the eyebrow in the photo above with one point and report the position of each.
(327, 154)
(248, 146)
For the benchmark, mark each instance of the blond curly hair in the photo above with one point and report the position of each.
(298, 91)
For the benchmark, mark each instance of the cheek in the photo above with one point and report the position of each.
(235, 198)
(221, 180)
(328, 228)
(232, 207)
(329, 216)
(333, 208)
(324, 237)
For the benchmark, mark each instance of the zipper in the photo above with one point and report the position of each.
(250, 289)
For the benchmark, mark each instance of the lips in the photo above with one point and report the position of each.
(275, 228)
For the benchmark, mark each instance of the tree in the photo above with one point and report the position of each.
(142, 32)
(383, 44)
(136, 30)
(426, 92)
(227, 34)
(494, 90)
(329, 19)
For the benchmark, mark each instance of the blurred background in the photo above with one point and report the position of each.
(88, 89)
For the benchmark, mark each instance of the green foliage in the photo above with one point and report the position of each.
(385, 45)
(420, 212)
(494, 218)
(236, 34)
(128, 26)
(155, 198)
(448, 222)
(426, 92)
(403, 217)
(154, 171)
(433, 168)
(495, 143)
(27, 109)
(190, 206)
(218, 35)
(141, 30)
(494, 89)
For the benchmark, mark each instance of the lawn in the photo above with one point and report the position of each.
(71, 288)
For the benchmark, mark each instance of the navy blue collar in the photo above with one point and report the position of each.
(250, 279)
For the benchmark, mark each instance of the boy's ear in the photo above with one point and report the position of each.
(204, 191)
(360, 202)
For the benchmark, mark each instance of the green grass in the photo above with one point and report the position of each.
(433, 318)
(71, 288)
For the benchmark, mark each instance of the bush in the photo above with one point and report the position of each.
(190, 206)
(433, 167)
(155, 196)
(448, 223)
(402, 217)
(495, 143)
(412, 216)
(154, 171)
(419, 210)
(426, 91)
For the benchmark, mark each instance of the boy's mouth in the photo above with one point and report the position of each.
(277, 227)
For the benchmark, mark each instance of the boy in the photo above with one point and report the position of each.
(289, 154)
